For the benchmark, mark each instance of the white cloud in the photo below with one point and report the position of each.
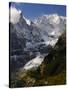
(14, 15)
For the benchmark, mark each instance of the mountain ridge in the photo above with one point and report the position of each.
(30, 38)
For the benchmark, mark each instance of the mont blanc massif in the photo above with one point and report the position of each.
(37, 49)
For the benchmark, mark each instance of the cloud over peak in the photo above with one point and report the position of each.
(14, 15)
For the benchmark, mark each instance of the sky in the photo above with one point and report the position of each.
(31, 10)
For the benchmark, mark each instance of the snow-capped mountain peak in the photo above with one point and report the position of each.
(52, 24)
(50, 18)
(54, 19)
(27, 20)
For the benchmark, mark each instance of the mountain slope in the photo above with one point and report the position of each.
(32, 41)
(52, 71)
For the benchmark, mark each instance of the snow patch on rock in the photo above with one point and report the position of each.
(34, 63)
(27, 20)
